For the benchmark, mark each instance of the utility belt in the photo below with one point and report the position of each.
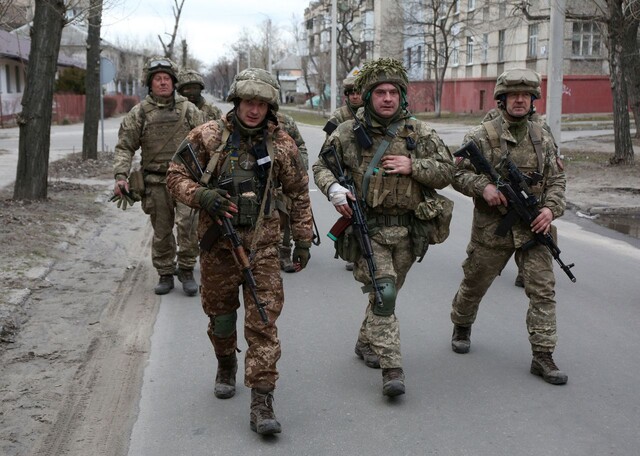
(389, 220)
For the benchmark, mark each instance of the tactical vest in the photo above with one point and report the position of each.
(160, 122)
(239, 177)
(391, 194)
(520, 154)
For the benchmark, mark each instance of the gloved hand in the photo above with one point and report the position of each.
(338, 194)
(123, 196)
(215, 201)
(301, 254)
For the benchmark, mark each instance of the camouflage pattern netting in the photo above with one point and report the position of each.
(380, 71)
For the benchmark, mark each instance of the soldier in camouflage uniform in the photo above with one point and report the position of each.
(190, 85)
(531, 148)
(156, 126)
(245, 152)
(414, 162)
(283, 204)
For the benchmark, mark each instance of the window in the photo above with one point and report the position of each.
(485, 47)
(455, 53)
(408, 57)
(18, 85)
(586, 39)
(486, 13)
(532, 49)
(471, 5)
(8, 75)
(470, 41)
(419, 57)
(501, 46)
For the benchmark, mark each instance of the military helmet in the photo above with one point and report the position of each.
(159, 65)
(188, 76)
(518, 80)
(380, 71)
(348, 84)
(255, 83)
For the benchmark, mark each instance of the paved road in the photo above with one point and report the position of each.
(482, 403)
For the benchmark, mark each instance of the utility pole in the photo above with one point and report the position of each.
(554, 69)
(334, 53)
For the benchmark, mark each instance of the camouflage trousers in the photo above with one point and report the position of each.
(221, 278)
(393, 257)
(484, 264)
(165, 212)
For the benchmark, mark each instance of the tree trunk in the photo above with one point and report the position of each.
(631, 61)
(35, 119)
(623, 154)
(92, 84)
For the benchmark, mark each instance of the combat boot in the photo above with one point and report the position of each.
(165, 284)
(349, 265)
(543, 365)
(461, 339)
(366, 354)
(285, 260)
(262, 418)
(393, 381)
(226, 377)
(189, 285)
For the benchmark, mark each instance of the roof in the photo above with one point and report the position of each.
(291, 62)
(14, 46)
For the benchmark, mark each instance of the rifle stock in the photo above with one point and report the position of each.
(523, 204)
(194, 168)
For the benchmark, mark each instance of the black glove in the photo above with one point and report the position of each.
(214, 201)
(301, 253)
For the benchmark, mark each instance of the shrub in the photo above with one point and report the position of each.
(110, 106)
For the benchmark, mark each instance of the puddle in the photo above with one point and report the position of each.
(625, 224)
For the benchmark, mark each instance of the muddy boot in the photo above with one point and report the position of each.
(461, 339)
(543, 365)
(189, 285)
(366, 354)
(165, 284)
(226, 377)
(263, 419)
(349, 266)
(519, 281)
(285, 260)
(393, 381)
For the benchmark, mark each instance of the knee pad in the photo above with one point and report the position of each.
(224, 326)
(388, 293)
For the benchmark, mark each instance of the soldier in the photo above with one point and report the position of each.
(392, 177)
(245, 152)
(157, 125)
(353, 101)
(283, 204)
(190, 85)
(531, 148)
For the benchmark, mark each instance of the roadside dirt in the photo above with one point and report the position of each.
(72, 353)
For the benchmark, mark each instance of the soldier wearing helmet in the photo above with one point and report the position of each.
(532, 149)
(395, 174)
(244, 155)
(190, 85)
(156, 126)
(353, 101)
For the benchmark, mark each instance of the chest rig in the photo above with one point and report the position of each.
(531, 165)
(245, 173)
(390, 194)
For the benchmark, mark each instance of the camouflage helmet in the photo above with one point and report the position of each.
(188, 76)
(517, 80)
(255, 83)
(159, 65)
(380, 71)
(348, 84)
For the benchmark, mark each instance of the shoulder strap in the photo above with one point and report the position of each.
(265, 194)
(535, 133)
(384, 145)
(494, 133)
(211, 166)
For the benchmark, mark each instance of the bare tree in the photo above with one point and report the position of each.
(35, 119)
(169, 47)
(92, 83)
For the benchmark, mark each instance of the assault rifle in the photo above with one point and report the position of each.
(523, 204)
(191, 163)
(358, 220)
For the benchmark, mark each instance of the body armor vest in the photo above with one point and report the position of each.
(391, 194)
(159, 122)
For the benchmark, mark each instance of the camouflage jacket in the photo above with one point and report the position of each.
(139, 128)
(550, 191)
(289, 125)
(431, 162)
(286, 169)
(212, 112)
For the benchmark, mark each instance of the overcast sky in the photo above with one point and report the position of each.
(209, 26)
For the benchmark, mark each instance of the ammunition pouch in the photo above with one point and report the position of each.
(432, 220)
(347, 245)
(136, 182)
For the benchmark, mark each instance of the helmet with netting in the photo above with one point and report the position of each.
(255, 83)
(159, 65)
(380, 71)
(517, 80)
(349, 84)
(186, 77)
